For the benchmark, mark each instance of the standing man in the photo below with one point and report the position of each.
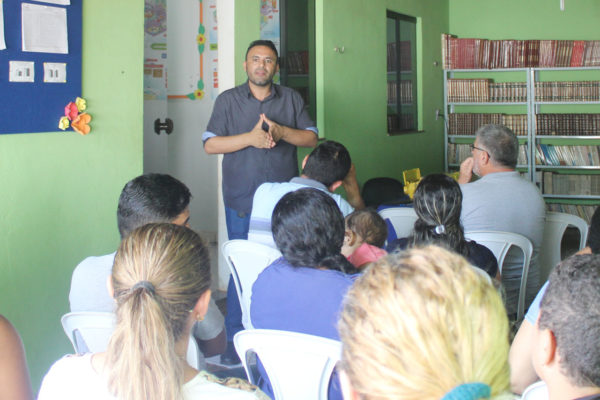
(503, 201)
(257, 127)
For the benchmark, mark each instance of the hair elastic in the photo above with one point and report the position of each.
(469, 391)
(440, 229)
(144, 285)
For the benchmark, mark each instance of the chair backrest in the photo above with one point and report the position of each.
(554, 229)
(299, 366)
(500, 243)
(536, 391)
(90, 331)
(246, 260)
(402, 219)
(378, 191)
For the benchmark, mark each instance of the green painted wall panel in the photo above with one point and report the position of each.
(531, 19)
(355, 90)
(60, 190)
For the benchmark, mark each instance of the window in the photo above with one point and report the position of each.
(402, 110)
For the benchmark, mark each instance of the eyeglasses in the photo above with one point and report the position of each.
(473, 147)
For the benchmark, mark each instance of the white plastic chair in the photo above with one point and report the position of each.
(402, 219)
(536, 391)
(299, 366)
(90, 331)
(246, 260)
(499, 243)
(554, 229)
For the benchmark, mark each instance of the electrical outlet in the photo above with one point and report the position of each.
(55, 72)
(21, 71)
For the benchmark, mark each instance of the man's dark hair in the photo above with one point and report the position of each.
(593, 239)
(308, 229)
(570, 309)
(500, 143)
(328, 163)
(150, 198)
(266, 43)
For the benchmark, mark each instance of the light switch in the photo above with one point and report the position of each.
(55, 72)
(21, 71)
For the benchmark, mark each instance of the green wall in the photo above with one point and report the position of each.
(518, 19)
(60, 189)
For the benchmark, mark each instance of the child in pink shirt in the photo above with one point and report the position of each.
(365, 236)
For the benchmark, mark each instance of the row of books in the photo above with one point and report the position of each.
(567, 91)
(400, 122)
(405, 59)
(485, 90)
(458, 152)
(468, 123)
(297, 62)
(489, 54)
(554, 183)
(568, 124)
(583, 211)
(406, 92)
(580, 156)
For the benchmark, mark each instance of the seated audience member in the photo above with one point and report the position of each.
(326, 168)
(566, 348)
(145, 199)
(423, 324)
(14, 376)
(438, 203)
(522, 371)
(365, 237)
(503, 201)
(161, 284)
(303, 290)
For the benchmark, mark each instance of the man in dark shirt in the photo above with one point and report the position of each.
(257, 127)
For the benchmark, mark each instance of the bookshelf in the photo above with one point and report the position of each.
(548, 93)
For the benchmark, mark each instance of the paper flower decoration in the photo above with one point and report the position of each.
(79, 120)
(200, 39)
(80, 124)
(81, 104)
(71, 111)
(198, 94)
(63, 124)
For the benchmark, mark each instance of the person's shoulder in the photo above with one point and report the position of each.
(95, 263)
(206, 385)
(8, 333)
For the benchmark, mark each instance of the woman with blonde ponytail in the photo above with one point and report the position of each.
(423, 324)
(161, 284)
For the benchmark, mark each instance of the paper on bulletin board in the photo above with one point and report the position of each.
(2, 42)
(61, 2)
(44, 29)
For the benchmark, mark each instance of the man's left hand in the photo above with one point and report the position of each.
(275, 130)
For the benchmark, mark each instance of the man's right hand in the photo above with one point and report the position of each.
(259, 138)
(466, 171)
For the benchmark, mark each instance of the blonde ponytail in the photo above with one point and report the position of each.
(160, 272)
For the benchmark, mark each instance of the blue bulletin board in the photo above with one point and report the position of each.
(37, 106)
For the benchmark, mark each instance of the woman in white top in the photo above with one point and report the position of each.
(160, 281)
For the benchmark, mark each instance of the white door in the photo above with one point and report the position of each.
(180, 83)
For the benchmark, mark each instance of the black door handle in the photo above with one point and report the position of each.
(167, 126)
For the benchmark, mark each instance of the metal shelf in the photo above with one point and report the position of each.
(571, 196)
(575, 167)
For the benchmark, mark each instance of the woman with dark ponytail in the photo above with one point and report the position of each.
(161, 284)
(438, 203)
(303, 290)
